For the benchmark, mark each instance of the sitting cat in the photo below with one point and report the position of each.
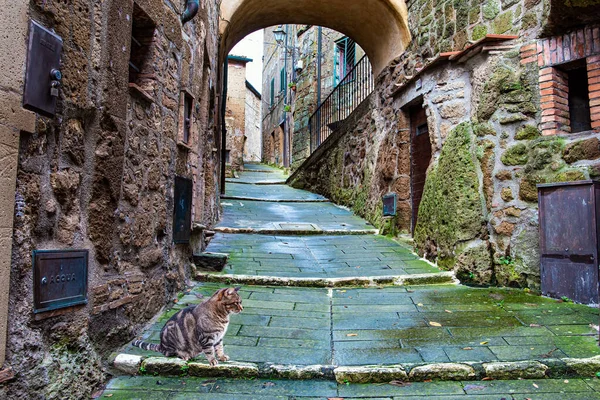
(199, 328)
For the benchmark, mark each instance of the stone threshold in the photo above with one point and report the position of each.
(296, 232)
(225, 197)
(391, 280)
(464, 371)
(256, 183)
(264, 171)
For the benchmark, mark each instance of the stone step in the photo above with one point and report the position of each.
(263, 171)
(270, 200)
(463, 371)
(296, 232)
(264, 182)
(390, 280)
(210, 261)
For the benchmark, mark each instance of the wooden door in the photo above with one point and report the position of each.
(568, 241)
(420, 156)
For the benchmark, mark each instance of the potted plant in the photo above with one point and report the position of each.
(287, 108)
(292, 85)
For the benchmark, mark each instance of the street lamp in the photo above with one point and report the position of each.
(279, 34)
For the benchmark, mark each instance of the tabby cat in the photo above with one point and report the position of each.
(199, 328)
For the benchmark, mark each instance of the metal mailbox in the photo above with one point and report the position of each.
(390, 201)
(182, 219)
(43, 76)
(59, 279)
(569, 233)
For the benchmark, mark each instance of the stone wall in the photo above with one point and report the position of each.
(235, 116)
(274, 116)
(486, 110)
(253, 148)
(100, 176)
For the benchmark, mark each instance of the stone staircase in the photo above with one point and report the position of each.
(326, 298)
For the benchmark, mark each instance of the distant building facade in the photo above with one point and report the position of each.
(253, 144)
(243, 110)
(298, 75)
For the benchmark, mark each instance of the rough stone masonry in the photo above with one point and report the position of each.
(100, 176)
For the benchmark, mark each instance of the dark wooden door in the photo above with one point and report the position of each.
(420, 156)
(568, 241)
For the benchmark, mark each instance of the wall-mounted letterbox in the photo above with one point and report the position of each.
(182, 213)
(43, 76)
(390, 201)
(59, 279)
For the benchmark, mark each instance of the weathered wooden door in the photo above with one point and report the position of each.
(420, 156)
(569, 240)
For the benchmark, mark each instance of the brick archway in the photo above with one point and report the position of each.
(379, 26)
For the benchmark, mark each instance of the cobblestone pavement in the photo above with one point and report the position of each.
(441, 341)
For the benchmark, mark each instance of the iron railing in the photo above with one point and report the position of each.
(356, 86)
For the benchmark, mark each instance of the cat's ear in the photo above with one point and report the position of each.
(237, 289)
(220, 294)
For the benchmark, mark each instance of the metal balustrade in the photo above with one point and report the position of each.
(356, 86)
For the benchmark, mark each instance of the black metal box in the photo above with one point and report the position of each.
(59, 279)
(43, 70)
(182, 219)
(390, 201)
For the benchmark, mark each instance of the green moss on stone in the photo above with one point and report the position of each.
(507, 194)
(529, 20)
(479, 32)
(491, 9)
(451, 207)
(503, 80)
(474, 14)
(508, 3)
(509, 119)
(568, 176)
(588, 149)
(516, 155)
(528, 188)
(474, 265)
(527, 132)
(483, 129)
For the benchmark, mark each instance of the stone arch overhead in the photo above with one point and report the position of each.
(380, 27)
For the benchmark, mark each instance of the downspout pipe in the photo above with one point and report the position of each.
(191, 9)
(223, 125)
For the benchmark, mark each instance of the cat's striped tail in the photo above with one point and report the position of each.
(147, 346)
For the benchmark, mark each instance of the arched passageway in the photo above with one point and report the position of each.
(378, 26)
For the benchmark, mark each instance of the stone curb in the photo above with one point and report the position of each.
(263, 171)
(466, 371)
(257, 183)
(398, 280)
(274, 200)
(280, 232)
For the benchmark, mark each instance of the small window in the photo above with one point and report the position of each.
(141, 71)
(344, 58)
(579, 100)
(228, 156)
(272, 92)
(186, 117)
(422, 130)
(282, 80)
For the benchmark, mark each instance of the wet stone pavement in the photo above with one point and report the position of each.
(434, 341)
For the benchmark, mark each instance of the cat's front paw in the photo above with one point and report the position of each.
(223, 357)
(213, 362)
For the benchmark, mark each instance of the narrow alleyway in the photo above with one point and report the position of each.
(332, 310)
